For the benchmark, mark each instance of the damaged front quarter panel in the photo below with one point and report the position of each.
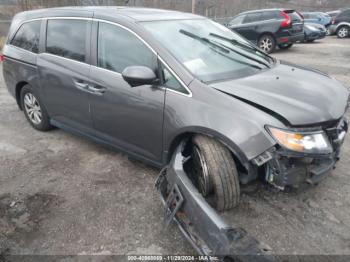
(204, 228)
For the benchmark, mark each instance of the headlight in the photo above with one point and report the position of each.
(305, 142)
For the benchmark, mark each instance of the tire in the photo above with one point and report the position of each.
(343, 31)
(34, 109)
(223, 189)
(284, 47)
(310, 41)
(267, 43)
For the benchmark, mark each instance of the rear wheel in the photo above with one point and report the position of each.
(215, 173)
(343, 32)
(267, 43)
(285, 46)
(34, 110)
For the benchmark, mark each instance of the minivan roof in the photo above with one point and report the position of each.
(134, 13)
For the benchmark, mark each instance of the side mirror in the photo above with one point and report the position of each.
(139, 75)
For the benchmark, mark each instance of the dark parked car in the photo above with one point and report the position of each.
(179, 91)
(269, 28)
(341, 24)
(314, 32)
(317, 18)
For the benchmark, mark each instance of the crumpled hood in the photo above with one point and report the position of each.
(296, 95)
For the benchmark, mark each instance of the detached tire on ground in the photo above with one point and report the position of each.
(220, 183)
(34, 110)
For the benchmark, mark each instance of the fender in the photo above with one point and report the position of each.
(183, 133)
(341, 24)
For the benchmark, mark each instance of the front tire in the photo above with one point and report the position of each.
(34, 110)
(343, 31)
(267, 43)
(217, 177)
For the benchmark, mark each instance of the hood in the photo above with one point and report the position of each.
(296, 95)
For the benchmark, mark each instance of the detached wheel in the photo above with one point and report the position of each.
(267, 43)
(215, 173)
(343, 31)
(33, 109)
(283, 47)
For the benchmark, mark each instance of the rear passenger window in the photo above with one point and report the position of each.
(27, 37)
(118, 49)
(251, 18)
(67, 38)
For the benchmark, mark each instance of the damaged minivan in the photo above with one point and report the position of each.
(179, 91)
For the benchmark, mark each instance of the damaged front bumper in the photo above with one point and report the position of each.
(283, 167)
(204, 228)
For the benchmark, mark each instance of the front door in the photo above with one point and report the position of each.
(64, 71)
(129, 117)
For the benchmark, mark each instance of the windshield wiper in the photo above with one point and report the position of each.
(221, 47)
(242, 44)
(206, 40)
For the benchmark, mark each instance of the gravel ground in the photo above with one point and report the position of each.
(62, 194)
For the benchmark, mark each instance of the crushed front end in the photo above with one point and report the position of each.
(284, 166)
(203, 227)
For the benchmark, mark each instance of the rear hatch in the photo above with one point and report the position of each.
(297, 22)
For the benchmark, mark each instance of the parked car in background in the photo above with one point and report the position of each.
(314, 32)
(269, 28)
(317, 18)
(341, 24)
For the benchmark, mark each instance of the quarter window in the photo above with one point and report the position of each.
(27, 37)
(67, 38)
(171, 82)
(118, 49)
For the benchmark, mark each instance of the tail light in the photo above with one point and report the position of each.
(286, 21)
(2, 58)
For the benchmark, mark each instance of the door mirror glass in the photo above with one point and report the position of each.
(139, 75)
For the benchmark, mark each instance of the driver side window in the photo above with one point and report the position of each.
(119, 48)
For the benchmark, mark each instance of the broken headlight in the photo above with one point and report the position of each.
(304, 142)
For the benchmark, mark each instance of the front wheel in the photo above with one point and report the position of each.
(343, 32)
(267, 43)
(215, 173)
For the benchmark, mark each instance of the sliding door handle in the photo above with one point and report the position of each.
(97, 89)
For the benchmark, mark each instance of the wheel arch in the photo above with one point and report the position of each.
(18, 89)
(267, 33)
(188, 133)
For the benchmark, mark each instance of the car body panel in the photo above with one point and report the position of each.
(284, 90)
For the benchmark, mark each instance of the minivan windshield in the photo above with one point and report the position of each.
(210, 51)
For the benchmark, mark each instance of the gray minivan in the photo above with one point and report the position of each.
(145, 81)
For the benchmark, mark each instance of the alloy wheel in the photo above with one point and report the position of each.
(32, 108)
(343, 32)
(266, 44)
